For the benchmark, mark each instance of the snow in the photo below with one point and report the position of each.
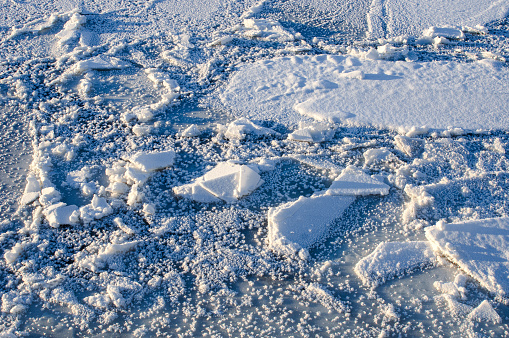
(393, 259)
(392, 18)
(371, 92)
(226, 181)
(478, 247)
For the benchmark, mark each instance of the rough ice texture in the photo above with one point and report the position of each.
(392, 259)
(227, 181)
(153, 161)
(354, 181)
(372, 92)
(392, 18)
(478, 247)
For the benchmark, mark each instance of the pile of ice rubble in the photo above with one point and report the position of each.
(125, 179)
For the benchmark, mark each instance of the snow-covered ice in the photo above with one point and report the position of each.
(372, 92)
(253, 168)
(478, 247)
(226, 181)
(392, 259)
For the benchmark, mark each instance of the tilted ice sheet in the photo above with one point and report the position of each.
(480, 248)
(390, 18)
(392, 259)
(362, 91)
(299, 224)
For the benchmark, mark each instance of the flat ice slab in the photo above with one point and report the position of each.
(227, 181)
(372, 92)
(300, 224)
(153, 161)
(480, 248)
(392, 259)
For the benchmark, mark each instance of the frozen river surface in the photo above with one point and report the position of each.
(242, 168)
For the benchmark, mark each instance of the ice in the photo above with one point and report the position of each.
(100, 62)
(97, 209)
(299, 224)
(478, 247)
(446, 32)
(191, 131)
(313, 133)
(32, 190)
(60, 214)
(475, 97)
(242, 127)
(392, 259)
(11, 255)
(485, 312)
(153, 161)
(355, 182)
(227, 181)
(97, 261)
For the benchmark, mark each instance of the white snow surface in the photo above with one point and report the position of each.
(391, 18)
(480, 248)
(372, 92)
(392, 259)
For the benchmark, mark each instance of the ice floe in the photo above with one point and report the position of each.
(478, 247)
(392, 259)
(296, 225)
(374, 92)
(227, 181)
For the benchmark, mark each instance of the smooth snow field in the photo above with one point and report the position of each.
(254, 168)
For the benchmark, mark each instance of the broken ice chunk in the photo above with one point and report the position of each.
(300, 224)
(191, 131)
(238, 129)
(60, 213)
(227, 181)
(392, 259)
(99, 63)
(478, 247)
(313, 133)
(97, 209)
(153, 161)
(485, 312)
(354, 181)
(32, 190)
